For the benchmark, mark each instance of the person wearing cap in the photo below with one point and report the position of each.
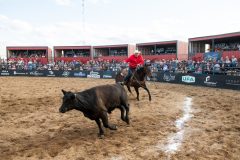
(133, 61)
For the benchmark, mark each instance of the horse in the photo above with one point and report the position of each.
(137, 80)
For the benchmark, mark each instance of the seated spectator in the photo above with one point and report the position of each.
(216, 68)
(227, 62)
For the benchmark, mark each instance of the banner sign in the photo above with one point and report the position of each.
(206, 80)
(211, 55)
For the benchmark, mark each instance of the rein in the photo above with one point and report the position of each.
(133, 77)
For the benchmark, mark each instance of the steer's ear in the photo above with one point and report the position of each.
(64, 92)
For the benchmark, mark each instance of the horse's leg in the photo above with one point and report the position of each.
(129, 89)
(149, 95)
(136, 89)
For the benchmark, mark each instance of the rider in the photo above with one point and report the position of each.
(133, 61)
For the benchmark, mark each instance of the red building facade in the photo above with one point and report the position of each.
(113, 52)
(164, 50)
(71, 53)
(41, 54)
(226, 44)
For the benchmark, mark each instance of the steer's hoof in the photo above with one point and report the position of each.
(100, 136)
(113, 127)
(127, 121)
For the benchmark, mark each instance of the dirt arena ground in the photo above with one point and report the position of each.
(32, 128)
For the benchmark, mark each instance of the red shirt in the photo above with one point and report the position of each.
(134, 61)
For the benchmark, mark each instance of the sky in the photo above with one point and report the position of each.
(110, 22)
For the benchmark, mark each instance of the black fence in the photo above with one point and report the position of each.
(207, 80)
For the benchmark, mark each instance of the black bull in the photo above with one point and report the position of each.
(96, 102)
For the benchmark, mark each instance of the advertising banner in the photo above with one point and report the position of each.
(206, 80)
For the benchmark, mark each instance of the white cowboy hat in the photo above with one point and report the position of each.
(136, 51)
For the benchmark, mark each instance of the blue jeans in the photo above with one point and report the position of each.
(129, 75)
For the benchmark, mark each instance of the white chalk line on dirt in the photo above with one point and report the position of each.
(116, 158)
(174, 141)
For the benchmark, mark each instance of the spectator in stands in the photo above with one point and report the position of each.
(234, 61)
(165, 67)
(238, 46)
(216, 68)
(134, 61)
(30, 66)
(173, 65)
(227, 62)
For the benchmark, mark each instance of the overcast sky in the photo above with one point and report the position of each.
(106, 22)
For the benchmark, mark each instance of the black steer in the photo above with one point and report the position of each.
(96, 102)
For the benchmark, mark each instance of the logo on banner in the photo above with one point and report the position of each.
(168, 77)
(188, 79)
(80, 74)
(51, 74)
(19, 73)
(66, 74)
(107, 75)
(209, 83)
(35, 73)
(93, 75)
(5, 73)
(233, 82)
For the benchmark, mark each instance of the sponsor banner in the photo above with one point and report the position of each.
(211, 55)
(169, 77)
(209, 82)
(232, 82)
(80, 74)
(5, 73)
(93, 74)
(20, 73)
(65, 74)
(50, 73)
(188, 79)
(36, 73)
(107, 75)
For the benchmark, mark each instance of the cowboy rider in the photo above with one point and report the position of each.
(133, 61)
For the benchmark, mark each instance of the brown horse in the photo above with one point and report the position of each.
(137, 80)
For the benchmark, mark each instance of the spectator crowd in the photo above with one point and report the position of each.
(189, 66)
